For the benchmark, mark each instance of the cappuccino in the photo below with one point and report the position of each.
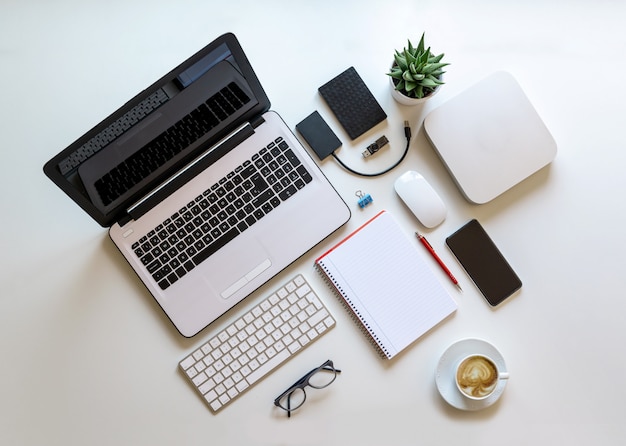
(477, 376)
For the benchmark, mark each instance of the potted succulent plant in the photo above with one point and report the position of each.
(416, 73)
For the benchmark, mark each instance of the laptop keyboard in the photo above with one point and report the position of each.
(223, 211)
(170, 143)
(257, 342)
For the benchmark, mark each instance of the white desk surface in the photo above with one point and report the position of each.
(88, 358)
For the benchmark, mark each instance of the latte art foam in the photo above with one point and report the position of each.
(477, 376)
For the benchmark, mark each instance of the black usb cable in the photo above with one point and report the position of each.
(373, 148)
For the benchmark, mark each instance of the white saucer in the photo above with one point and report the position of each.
(445, 373)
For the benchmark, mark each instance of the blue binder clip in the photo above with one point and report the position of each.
(364, 199)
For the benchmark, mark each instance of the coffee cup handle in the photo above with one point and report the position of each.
(503, 375)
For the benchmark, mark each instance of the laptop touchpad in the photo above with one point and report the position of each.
(239, 284)
(236, 264)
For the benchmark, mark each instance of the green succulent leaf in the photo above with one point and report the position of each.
(431, 68)
(400, 61)
(436, 59)
(409, 85)
(410, 58)
(420, 45)
(396, 73)
(428, 82)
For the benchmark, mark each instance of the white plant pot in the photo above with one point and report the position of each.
(405, 100)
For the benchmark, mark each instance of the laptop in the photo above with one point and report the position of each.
(206, 192)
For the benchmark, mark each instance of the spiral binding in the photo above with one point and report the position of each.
(354, 314)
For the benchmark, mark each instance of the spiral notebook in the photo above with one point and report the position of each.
(387, 284)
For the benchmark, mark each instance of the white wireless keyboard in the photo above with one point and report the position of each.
(257, 342)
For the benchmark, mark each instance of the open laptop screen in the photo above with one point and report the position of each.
(159, 131)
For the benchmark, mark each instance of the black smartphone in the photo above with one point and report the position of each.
(483, 262)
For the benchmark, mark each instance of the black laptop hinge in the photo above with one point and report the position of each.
(124, 220)
(257, 121)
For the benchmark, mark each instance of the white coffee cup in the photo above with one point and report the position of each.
(477, 376)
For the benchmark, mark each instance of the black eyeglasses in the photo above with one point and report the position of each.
(295, 396)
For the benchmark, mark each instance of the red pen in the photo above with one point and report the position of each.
(436, 257)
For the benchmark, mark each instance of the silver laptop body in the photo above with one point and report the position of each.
(207, 193)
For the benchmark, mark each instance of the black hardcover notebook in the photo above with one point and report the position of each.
(352, 102)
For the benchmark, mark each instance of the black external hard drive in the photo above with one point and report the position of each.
(318, 135)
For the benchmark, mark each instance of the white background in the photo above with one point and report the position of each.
(88, 358)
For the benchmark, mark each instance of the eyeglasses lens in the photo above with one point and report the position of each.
(322, 378)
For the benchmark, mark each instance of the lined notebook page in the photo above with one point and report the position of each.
(387, 283)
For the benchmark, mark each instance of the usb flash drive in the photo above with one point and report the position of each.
(376, 146)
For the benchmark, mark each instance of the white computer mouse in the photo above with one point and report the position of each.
(421, 198)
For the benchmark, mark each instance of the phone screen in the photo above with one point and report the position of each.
(484, 262)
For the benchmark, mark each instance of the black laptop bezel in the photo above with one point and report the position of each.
(120, 212)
